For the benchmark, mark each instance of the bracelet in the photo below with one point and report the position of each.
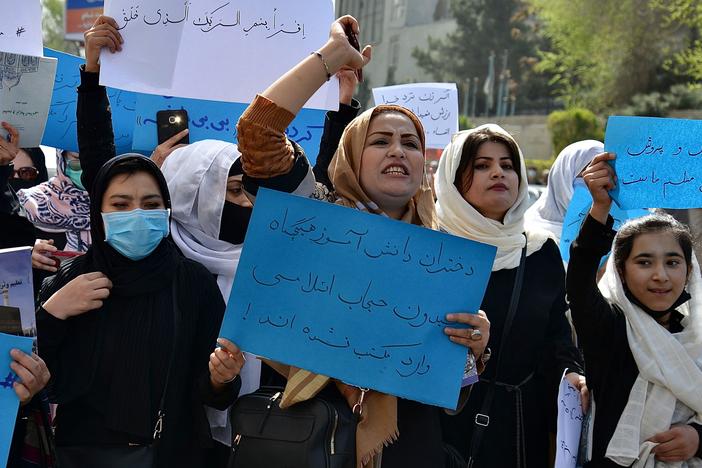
(324, 62)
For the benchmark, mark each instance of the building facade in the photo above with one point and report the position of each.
(395, 28)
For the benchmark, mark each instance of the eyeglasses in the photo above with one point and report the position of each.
(26, 173)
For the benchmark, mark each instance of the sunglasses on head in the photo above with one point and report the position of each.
(26, 173)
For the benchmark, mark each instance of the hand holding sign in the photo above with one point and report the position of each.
(9, 147)
(600, 179)
(32, 373)
(103, 34)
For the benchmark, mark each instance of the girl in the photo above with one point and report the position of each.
(640, 332)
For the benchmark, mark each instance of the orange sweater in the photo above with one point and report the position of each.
(265, 150)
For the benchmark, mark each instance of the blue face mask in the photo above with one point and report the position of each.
(137, 233)
(74, 175)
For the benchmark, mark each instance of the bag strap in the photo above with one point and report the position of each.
(158, 427)
(482, 419)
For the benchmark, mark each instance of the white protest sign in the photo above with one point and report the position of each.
(570, 420)
(215, 49)
(436, 105)
(20, 27)
(25, 94)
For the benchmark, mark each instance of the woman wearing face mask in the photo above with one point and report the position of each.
(61, 208)
(127, 337)
(481, 189)
(549, 211)
(378, 167)
(640, 333)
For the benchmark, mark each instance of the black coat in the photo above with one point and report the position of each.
(539, 348)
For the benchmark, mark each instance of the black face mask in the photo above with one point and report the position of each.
(235, 222)
(20, 184)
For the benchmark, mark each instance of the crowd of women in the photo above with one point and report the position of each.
(127, 331)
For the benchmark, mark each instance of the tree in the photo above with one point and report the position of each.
(687, 62)
(53, 12)
(602, 53)
(484, 26)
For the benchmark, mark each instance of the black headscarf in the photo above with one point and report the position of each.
(129, 277)
(39, 161)
(117, 356)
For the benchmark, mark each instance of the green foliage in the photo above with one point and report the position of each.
(575, 124)
(540, 164)
(483, 26)
(464, 122)
(660, 104)
(602, 52)
(53, 11)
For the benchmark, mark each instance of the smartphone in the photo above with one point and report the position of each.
(170, 123)
(61, 255)
(353, 40)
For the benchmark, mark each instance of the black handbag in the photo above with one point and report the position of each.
(132, 456)
(317, 433)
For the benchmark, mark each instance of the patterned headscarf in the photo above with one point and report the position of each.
(59, 206)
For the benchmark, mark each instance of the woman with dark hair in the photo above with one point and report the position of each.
(482, 194)
(19, 169)
(640, 331)
(126, 331)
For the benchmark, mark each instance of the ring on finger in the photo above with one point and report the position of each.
(476, 334)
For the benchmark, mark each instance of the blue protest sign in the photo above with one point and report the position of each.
(659, 162)
(61, 125)
(217, 120)
(9, 403)
(358, 297)
(578, 210)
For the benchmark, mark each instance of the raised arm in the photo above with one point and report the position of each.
(593, 316)
(266, 152)
(96, 139)
(334, 124)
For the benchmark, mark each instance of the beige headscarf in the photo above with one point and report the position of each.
(458, 217)
(378, 425)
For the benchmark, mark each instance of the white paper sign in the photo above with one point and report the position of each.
(20, 27)
(436, 105)
(215, 49)
(26, 85)
(570, 420)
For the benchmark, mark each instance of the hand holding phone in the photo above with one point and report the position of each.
(353, 40)
(170, 123)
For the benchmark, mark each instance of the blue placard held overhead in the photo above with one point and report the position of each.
(659, 162)
(9, 403)
(354, 296)
(217, 120)
(579, 208)
(61, 126)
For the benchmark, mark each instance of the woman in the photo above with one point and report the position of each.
(378, 167)
(482, 193)
(640, 333)
(126, 330)
(549, 211)
(19, 169)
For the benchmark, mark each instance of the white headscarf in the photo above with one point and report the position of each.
(667, 390)
(549, 210)
(458, 217)
(197, 179)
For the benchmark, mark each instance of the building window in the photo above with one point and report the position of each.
(394, 51)
(399, 10)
